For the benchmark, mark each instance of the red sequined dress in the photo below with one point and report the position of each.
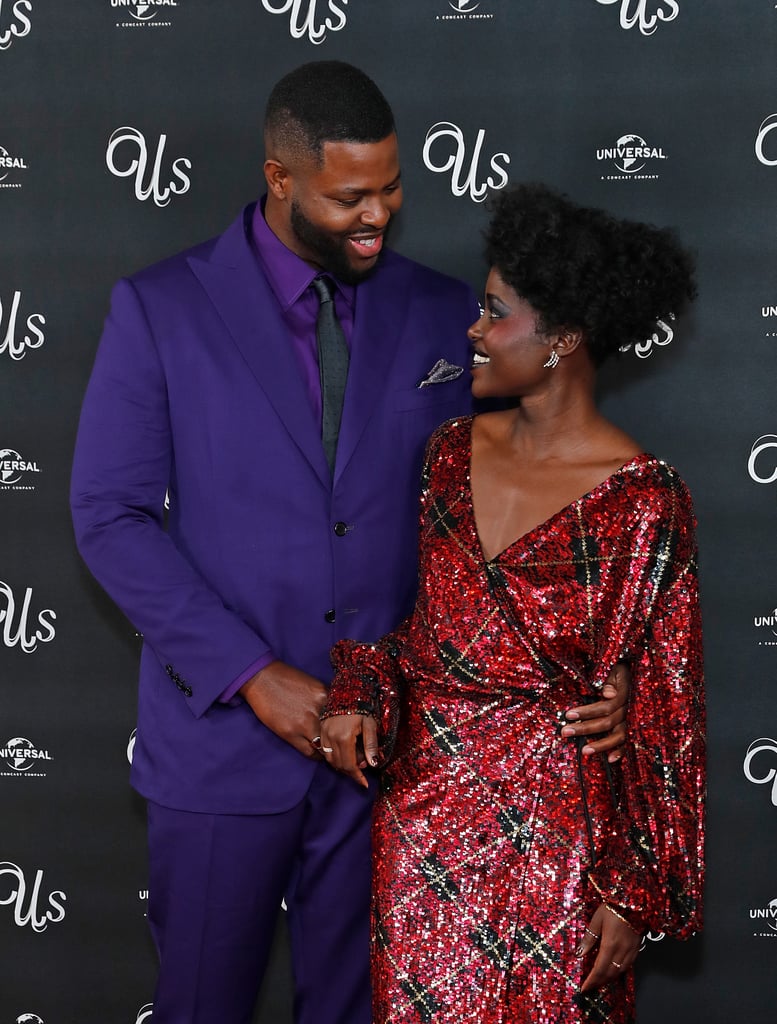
(494, 841)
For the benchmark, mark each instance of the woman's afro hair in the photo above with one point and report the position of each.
(581, 268)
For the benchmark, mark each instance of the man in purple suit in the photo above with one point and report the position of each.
(291, 524)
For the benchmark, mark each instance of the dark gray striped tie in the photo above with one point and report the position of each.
(332, 366)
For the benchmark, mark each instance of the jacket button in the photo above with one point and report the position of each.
(330, 615)
(341, 529)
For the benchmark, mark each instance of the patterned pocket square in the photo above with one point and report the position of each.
(441, 372)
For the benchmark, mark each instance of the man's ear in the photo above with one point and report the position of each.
(277, 176)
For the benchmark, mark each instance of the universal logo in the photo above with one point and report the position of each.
(311, 18)
(19, 25)
(14, 469)
(29, 1018)
(131, 745)
(466, 10)
(646, 14)
(767, 623)
(757, 462)
(450, 155)
(760, 766)
(766, 916)
(769, 313)
(28, 909)
(17, 348)
(767, 126)
(144, 13)
(127, 156)
(18, 629)
(630, 156)
(11, 166)
(145, 1014)
(20, 755)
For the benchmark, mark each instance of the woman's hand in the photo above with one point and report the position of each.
(350, 743)
(605, 718)
(618, 945)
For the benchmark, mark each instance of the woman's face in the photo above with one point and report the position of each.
(508, 351)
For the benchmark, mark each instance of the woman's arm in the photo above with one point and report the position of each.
(652, 869)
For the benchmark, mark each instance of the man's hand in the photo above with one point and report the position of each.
(350, 743)
(288, 701)
(605, 716)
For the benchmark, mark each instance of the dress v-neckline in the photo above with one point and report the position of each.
(641, 457)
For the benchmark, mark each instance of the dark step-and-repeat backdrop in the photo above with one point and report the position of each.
(129, 130)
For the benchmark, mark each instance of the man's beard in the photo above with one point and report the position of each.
(329, 250)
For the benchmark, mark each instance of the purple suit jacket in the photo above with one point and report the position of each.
(195, 391)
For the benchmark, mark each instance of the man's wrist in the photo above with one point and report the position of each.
(234, 691)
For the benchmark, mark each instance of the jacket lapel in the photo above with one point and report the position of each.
(237, 288)
(381, 312)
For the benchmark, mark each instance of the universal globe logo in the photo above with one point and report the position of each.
(10, 165)
(131, 745)
(768, 915)
(13, 468)
(767, 623)
(630, 155)
(143, 10)
(767, 126)
(29, 1018)
(769, 313)
(466, 10)
(20, 755)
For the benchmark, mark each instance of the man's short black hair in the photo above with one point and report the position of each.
(324, 101)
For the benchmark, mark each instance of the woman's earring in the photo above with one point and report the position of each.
(553, 360)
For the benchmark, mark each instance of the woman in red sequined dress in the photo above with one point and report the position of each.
(513, 879)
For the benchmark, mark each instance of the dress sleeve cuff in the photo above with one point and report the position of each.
(367, 682)
(629, 915)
